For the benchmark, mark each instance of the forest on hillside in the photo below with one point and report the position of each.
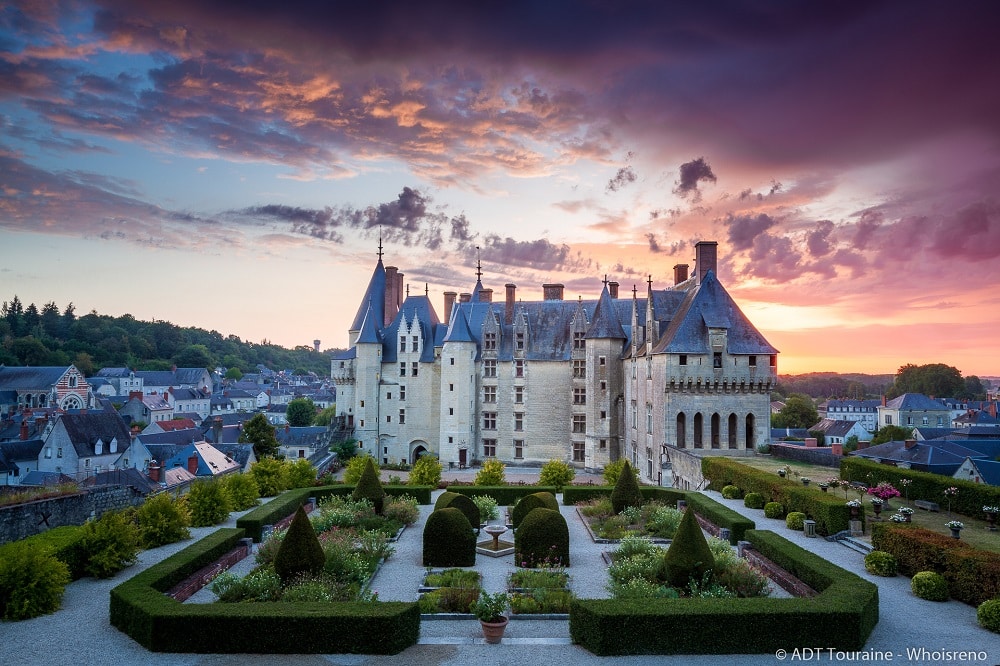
(54, 336)
(933, 379)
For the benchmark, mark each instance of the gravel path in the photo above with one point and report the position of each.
(80, 632)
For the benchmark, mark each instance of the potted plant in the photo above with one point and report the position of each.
(782, 471)
(956, 527)
(855, 506)
(907, 514)
(489, 609)
(877, 505)
(805, 480)
(991, 517)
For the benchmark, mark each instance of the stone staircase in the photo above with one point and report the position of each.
(844, 538)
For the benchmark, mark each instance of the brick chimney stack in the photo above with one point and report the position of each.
(613, 289)
(706, 258)
(680, 273)
(193, 465)
(449, 303)
(552, 292)
(390, 304)
(154, 471)
(910, 444)
(24, 428)
(464, 298)
(508, 303)
(486, 296)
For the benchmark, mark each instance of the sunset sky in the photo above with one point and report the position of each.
(229, 165)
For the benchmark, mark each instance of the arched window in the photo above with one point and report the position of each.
(716, 430)
(698, 425)
(732, 431)
(750, 440)
(681, 430)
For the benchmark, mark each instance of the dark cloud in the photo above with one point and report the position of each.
(818, 240)
(537, 254)
(623, 177)
(460, 229)
(654, 245)
(972, 233)
(692, 173)
(743, 229)
(866, 228)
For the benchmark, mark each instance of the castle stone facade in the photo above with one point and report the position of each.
(584, 381)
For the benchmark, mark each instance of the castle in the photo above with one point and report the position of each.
(587, 381)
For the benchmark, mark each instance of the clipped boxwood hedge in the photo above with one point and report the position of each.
(830, 511)
(714, 512)
(504, 495)
(287, 502)
(973, 575)
(969, 501)
(842, 616)
(140, 609)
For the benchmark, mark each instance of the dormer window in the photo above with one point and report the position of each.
(489, 341)
(579, 342)
(113, 446)
(98, 447)
(519, 341)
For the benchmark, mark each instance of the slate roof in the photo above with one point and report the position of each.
(852, 405)
(605, 323)
(172, 437)
(162, 452)
(925, 433)
(22, 450)
(925, 456)
(211, 461)
(375, 296)
(186, 393)
(989, 470)
(458, 329)
(916, 402)
(977, 432)
(37, 478)
(85, 429)
(304, 436)
(188, 375)
(710, 306)
(114, 372)
(122, 477)
(835, 427)
(156, 377)
(6, 465)
(369, 331)
(782, 433)
(239, 452)
(21, 378)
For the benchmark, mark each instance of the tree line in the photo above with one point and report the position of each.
(54, 336)
(934, 379)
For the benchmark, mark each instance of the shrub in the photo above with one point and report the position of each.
(542, 539)
(242, 491)
(626, 492)
(270, 475)
(403, 508)
(490, 474)
(453, 578)
(527, 504)
(299, 552)
(688, 556)
(301, 473)
(208, 503)
(356, 465)
(774, 510)
(663, 521)
(988, 615)
(929, 585)
(463, 503)
(880, 563)
(556, 473)
(795, 520)
(731, 492)
(753, 501)
(161, 520)
(448, 539)
(369, 487)
(612, 471)
(31, 581)
(111, 543)
(488, 509)
(426, 472)
(743, 579)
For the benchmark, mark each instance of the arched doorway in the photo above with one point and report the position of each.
(417, 449)
(716, 430)
(698, 430)
(750, 443)
(732, 431)
(681, 430)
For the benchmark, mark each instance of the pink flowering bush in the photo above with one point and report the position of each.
(884, 491)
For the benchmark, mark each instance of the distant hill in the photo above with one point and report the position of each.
(47, 336)
(835, 385)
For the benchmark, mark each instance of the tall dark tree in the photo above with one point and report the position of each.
(260, 433)
(300, 412)
(31, 320)
(13, 312)
(68, 319)
(50, 319)
(934, 379)
(974, 389)
(798, 412)
(892, 433)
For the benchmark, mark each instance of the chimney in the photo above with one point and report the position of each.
(217, 429)
(24, 429)
(486, 296)
(552, 292)
(193, 465)
(173, 368)
(508, 303)
(811, 442)
(399, 290)
(991, 409)
(133, 432)
(613, 289)
(287, 427)
(137, 395)
(464, 298)
(883, 400)
(390, 303)
(706, 258)
(680, 273)
(154, 471)
(910, 444)
(449, 303)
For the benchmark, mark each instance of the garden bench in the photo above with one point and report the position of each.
(927, 505)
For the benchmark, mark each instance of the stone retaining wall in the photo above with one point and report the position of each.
(820, 455)
(19, 521)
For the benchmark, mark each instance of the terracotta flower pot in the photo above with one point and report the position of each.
(493, 631)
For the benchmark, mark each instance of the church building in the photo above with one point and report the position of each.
(676, 370)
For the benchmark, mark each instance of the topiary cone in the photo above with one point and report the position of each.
(688, 556)
(626, 492)
(369, 487)
(299, 551)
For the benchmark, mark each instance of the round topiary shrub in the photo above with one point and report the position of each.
(753, 501)
(731, 492)
(524, 506)
(448, 539)
(369, 487)
(689, 556)
(881, 563)
(626, 492)
(549, 500)
(463, 503)
(794, 520)
(542, 539)
(774, 510)
(929, 585)
(299, 552)
(988, 615)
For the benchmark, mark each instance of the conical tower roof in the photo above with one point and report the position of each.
(605, 323)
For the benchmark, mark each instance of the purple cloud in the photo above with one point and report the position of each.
(692, 173)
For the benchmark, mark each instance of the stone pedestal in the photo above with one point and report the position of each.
(856, 530)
